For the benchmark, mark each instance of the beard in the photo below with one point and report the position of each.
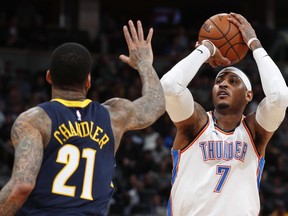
(222, 106)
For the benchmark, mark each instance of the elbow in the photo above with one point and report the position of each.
(171, 87)
(22, 190)
(160, 109)
(166, 83)
(279, 99)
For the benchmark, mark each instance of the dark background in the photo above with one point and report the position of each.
(31, 29)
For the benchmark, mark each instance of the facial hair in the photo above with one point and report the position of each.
(223, 106)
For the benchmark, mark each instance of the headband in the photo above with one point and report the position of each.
(240, 74)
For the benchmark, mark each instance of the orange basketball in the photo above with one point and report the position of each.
(225, 36)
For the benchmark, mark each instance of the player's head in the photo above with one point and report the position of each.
(240, 74)
(232, 89)
(70, 66)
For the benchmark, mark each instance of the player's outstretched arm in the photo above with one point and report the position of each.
(145, 110)
(272, 109)
(133, 115)
(28, 145)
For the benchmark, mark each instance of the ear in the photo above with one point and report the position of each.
(88, 82)
(249, 96)
(48, 77)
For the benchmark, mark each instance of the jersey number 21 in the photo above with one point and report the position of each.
(71, 155)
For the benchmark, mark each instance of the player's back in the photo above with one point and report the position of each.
(78, 163)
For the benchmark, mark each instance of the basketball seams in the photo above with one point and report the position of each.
(225, 35)
(219, 29)
(233, 45)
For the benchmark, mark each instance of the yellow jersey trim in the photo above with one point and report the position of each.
(68, 103)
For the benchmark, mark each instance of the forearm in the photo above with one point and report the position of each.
(10, 203)
(27, 142)
(152, 100)
(184, 71)
(271, 111)
(179, 100)
(273, 83)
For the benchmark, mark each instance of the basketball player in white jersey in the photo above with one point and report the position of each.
(218, 156)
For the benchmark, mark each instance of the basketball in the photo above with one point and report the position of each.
(225, 36)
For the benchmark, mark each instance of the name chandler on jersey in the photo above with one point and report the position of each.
(219, 150)
(81, 129)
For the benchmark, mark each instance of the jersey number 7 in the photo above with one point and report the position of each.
(223, 171)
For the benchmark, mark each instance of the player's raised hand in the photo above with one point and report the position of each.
(140, 49)
(216, 59)
(244, 26)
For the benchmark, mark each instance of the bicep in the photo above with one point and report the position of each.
(28, 145)
(269, 116)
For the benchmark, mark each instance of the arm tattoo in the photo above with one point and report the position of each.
(28, 145)
(28, 153)
(151, 105)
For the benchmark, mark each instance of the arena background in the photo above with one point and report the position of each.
(31, 29)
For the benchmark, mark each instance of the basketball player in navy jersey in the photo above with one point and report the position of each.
(218, 156)
(65, 148)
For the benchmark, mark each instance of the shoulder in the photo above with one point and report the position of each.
(121, 112)
(116, 102)
(33, 115)
(190, 128)
(119, 107)
(33, 120)
(195, 122)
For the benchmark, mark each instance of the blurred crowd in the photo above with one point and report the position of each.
(143, 163)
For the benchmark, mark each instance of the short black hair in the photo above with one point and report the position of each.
(70, 65)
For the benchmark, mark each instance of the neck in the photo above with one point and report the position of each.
(226, 121)
(68, 94)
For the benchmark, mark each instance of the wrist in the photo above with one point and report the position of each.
(254, 43)
(144, 62)
(210, 46)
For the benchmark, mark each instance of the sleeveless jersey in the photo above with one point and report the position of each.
(78, 164)
(217, 174)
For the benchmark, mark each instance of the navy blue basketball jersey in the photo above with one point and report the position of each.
(78, 164)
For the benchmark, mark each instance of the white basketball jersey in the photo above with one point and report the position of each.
(218, 174)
